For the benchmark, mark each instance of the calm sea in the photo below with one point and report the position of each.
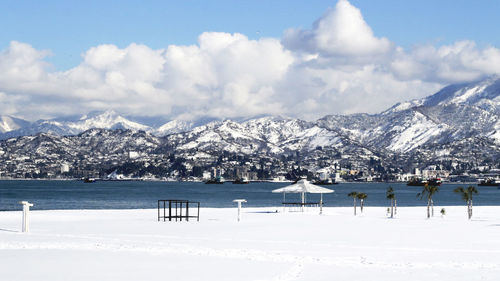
(49, 195)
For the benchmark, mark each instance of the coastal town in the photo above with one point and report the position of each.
(128, 155)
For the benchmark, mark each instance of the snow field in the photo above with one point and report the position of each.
(265, 245)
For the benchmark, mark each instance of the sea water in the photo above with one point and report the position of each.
(56, 194)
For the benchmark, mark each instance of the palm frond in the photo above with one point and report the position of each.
(362, 195)
(353, 194)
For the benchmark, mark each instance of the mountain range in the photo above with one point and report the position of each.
(457, 114)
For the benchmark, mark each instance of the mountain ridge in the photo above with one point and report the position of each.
(455, 112)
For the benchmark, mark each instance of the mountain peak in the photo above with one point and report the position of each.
(9, 123)
(108, 119)
(174, 126)
(482, 93)
(466, 93)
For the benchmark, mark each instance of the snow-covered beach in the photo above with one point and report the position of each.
(265, 245)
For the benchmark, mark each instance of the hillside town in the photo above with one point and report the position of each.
(452, 135)
(128, 155)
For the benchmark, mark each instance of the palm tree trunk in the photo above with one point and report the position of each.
(354, 206)
(470, 209)
(432, 207)
(361, 204)
(428, 208)
(395, 206)
(392, 208)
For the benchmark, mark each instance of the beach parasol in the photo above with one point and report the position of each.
(303, 186)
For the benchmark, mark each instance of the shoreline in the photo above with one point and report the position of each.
(258, 208)
(228, 182)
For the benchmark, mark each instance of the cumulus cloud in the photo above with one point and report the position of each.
(336, 66)
(458, 62)
(340, 32)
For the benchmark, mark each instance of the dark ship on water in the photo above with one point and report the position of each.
(242, 180)
(88, 180)
(488, 182)
(421, 182)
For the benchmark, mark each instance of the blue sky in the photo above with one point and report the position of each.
(69, 28)
(238, 59)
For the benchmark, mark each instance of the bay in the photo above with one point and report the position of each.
(54, 195)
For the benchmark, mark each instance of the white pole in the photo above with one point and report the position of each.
(26, 210)
(239, 201)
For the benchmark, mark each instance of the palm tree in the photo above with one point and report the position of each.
(429, 190)
(362, 196)
(467, 197)
(391, 196)
(354, 195)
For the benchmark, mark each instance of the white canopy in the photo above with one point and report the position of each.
(303, 186)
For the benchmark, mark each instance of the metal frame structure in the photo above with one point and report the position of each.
(176, 210)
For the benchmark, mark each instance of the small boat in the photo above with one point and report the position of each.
(88, 180)
(420, 182)
(488, 182)
(415, 182)
(217, 180)
(242, 180)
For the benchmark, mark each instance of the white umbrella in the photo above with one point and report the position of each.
(303, 187)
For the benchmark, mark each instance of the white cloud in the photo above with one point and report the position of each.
(340, 32)
(337, 66)
(458, 62)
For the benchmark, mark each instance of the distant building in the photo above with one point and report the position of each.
(207, 175)
(417, 172)
(433, 171)
(241, 172)
(217, 172)
(64, 168)
(133, 155)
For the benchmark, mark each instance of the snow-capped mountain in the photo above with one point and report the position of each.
(454, 113)
(172, 127)
(267, 136)
(105, 120)
(9, 123)
(457, 128)
(256, 135)
(475, 93)
(72, 125)
(76, 124)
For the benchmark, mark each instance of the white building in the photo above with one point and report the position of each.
(133, 155)
(64, 168)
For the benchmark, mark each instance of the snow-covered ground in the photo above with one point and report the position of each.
(133, 245)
